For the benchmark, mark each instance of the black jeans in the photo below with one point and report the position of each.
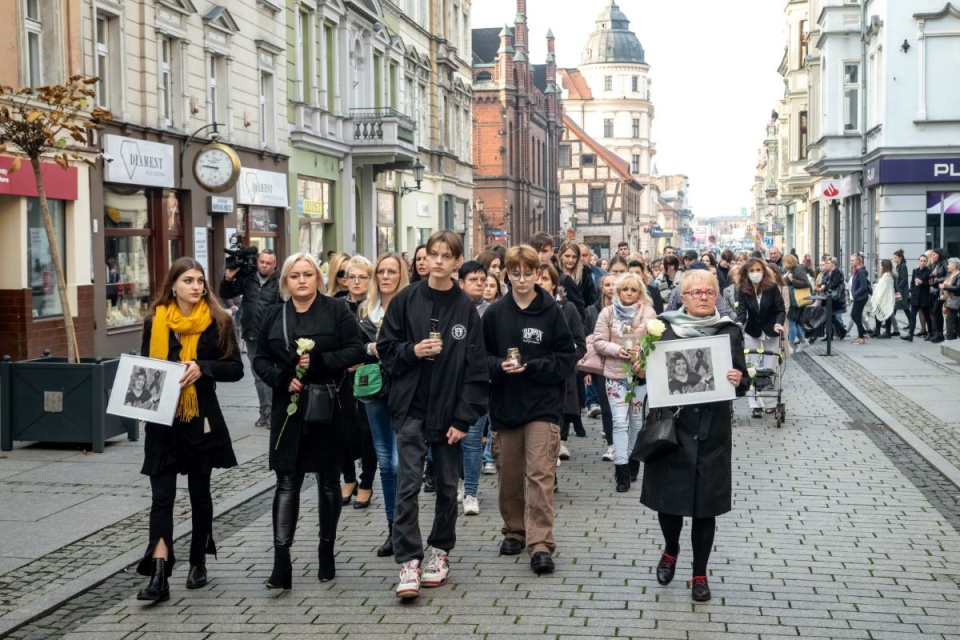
(164, 494)
(857, 316)
(411, 451)
(936, 317)
(599, 384)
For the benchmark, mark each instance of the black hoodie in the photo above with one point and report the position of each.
(546, 349)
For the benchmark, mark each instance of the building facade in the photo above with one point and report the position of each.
(516, 129)
(609, 97)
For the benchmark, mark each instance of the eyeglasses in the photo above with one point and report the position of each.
(358, 277)
(710, 294)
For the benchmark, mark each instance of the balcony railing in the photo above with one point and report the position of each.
(384, 126)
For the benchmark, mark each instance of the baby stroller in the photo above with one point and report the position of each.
(767, 375)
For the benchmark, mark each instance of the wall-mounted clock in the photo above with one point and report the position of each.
(216, 167)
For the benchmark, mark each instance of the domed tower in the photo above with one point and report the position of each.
(612, 41)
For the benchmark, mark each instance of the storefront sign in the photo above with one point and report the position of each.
(59, 184)
(200, 249)
(840, 188)
(219, 204)
(139, 162)
(911, 171)
(263, 188)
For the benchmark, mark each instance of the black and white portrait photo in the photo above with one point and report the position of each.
(683, 372)
(689, 371)
(144, 389)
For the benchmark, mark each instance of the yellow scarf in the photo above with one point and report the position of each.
(169, 318)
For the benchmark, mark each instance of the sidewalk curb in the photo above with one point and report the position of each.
(941, 464)
(51, 601)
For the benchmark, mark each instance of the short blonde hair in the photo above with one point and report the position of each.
(358, 262)
(288, 264)
(637, 281)
(790, 261)
(691, 277)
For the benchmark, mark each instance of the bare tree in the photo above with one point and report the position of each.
(48, 122)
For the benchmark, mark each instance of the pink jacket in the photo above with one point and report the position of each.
(607, 339)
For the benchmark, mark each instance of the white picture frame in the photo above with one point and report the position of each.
(707, 361)
(146, 389)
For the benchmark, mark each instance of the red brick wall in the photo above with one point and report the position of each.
(22, 337)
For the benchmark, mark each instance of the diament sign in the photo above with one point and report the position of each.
(911, 171)
(140, 162)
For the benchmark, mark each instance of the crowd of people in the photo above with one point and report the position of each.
(439, 369)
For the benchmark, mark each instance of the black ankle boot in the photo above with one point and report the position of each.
(634, 466)
(622, 475)
(386, 549)
(158, 589)
(197, 577)
(330, 508)
(282, 575)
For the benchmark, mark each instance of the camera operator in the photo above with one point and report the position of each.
(260, 288)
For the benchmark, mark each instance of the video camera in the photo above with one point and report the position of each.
(241, 257)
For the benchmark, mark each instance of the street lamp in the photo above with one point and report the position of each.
(480, 206)
(417, 176)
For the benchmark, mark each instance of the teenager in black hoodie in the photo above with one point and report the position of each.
(526, 405)
(431, 350)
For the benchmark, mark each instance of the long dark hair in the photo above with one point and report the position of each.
(414, 274)
(746, 286)
(886, 266)
(223, 320)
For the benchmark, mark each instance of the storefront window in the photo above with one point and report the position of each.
(128, 236)
(386, 222)
(314, 212)
(43, 280)
(943, 221)
(259, 227)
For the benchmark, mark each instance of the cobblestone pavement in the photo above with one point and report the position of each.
(838, 531)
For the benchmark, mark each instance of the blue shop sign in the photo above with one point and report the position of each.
(911, 171)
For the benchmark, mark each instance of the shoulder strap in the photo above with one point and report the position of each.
(286, 335)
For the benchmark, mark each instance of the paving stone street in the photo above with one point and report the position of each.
(839, 530)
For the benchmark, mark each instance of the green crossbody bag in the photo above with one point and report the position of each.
(367, 383)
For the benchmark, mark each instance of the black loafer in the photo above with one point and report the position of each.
(701, 590)
(511, 547)
(541, 562)
(666, 568)
(197, 577)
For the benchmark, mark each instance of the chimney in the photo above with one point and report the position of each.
(505, 58)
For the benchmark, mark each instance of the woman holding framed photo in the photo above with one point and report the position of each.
(186, 324)
(694, 480)
(306, 345)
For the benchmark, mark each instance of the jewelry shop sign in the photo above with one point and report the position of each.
(139, 162)
(264, 188)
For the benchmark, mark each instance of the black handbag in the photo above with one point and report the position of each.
(657, 436)
(320, 402)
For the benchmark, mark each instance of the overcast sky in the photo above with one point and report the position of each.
(714, 71)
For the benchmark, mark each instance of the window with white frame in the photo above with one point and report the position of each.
(608, 127)
(217, 91)
(851, 96)
(608, 83)
(635, 84)
(636, 127)
(942, 69)
(34, 29)
(166, 99)
(267, 119)
(304, 54)
(635, 164)
(103, 42)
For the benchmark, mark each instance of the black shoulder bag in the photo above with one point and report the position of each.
(321, 399)
(657, 436)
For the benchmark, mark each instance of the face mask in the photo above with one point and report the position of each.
(755, 277)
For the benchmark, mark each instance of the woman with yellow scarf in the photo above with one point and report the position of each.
(187, 324)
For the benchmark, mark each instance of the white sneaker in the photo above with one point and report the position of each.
(558, 462)
(436, 570)
(564, 452)
(471, 506)
(489, 469)
(594, 410)
(409, 586)
(609, 455)
(460, 492)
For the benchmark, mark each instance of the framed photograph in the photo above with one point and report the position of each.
(146, 389)
(690, 371)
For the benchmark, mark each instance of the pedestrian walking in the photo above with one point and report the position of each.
(431, 348)
(919, 300)
(596, 380)
(799, 298)
(337, 284)
(883, 300)
(549, 280)
(616, 337)
(307, 344)
(421, 265)
(571, 265)
(938, 274)
(390, 277)
(530, 355)
(258, 289)
(761, 312)
(694, 479)
(860, 291)
(901, 288)
(543, 243)
(833, 285)
(186, 324)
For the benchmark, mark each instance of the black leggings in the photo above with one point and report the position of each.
(857, 316)
(701, 538)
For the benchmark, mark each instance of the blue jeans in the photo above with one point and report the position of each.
(385, 444)
(487, 452)
(627, 418)
(796, 332)
(472, 446)
(591, 396)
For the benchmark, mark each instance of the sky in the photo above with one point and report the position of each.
(714, 76)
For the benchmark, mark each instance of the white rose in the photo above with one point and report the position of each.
(656, 327)
(305, 345)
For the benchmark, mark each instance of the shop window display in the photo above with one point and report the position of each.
(128, 256)
(42, 278)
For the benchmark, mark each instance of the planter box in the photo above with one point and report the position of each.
(51, 400)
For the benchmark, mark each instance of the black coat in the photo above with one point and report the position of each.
(920, 293)
(902, 285)
(184, 447)
(572, 291)
(330, 323)
(256, 299)
(757, 319)
(835, 286)
(571, 396)
(587, 290)
(694, 480)
(459, 384)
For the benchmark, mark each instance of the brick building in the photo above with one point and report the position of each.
(517, 123)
